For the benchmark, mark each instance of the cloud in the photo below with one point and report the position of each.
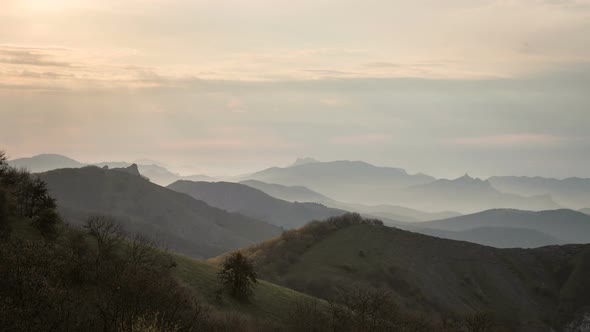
(509, 139)
(17, 56)
(361, 139)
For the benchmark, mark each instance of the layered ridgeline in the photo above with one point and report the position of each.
(177, 220)
(156, 173)
(528, 289)
(347, 181)
(239, 198)
(505, 225)
(362, 183)
(570, 192)
(304, 194)
(468, 195)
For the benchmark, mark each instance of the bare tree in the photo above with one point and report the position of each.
(237, 275)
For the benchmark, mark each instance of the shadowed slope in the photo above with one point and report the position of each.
(537, 287)
(177, 220)
(235, 197)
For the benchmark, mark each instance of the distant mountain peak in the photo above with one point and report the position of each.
(133, 169)
(303, 161)
(468, 179)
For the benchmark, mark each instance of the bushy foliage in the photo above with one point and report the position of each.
(26, 196)
(308, 314)
(71, 284)
(237, 275)
(287, 249)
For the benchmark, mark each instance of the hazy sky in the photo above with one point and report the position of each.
(489, 87)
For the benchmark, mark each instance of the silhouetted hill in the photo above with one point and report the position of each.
(566, 226)
(158, 174)
(349, 181)
(586, 210)
(132, 169)
(572, 192)
(535, 287)
(45, 162)
(155, 173)
(178, 220)
(467, 194)
(235, 197)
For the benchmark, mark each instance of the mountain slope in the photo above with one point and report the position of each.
(535, 287)
(352, 181)
(570, 192)
(288, 193)
(235, 197)
(45, 162)
(304, 194)
(565, 225)
(177, 220)
(586, 210)
(467, 194)
(498, 237)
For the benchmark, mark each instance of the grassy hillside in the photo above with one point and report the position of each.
(239, 198)
(533, 288)
(176, 220)
(269, 300)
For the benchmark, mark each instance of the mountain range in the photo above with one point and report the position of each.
(347, 181)
(566, 226)
(365, 184)
(239, 198)
(357, 184)
(154, 172)
(573, 193)
(467, 195)
(176, 220)
(304, 194)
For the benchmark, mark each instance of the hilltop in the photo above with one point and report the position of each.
(535, 287)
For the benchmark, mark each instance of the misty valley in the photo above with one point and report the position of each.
(104, 247)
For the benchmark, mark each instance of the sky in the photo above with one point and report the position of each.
(488, 87)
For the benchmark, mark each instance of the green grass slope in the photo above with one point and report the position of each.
(534, 288)
(269, 300)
